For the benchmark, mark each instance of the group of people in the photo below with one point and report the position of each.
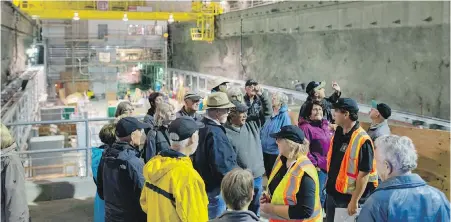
(183, 166)
(178, 165)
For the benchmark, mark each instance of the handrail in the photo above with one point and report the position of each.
(68, 149)
(64, 121)
(397, 115)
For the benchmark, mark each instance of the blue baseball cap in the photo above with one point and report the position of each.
(127, 125)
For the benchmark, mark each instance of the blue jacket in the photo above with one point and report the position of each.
(215, 155)
(405, 198)
(99, 204)
(273, 126)
(120, 181)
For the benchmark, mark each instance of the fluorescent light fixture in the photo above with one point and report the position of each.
(76, 18)
(171, 18)
(125, 17)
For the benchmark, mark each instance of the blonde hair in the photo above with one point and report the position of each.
(297, 149)
(160, 113)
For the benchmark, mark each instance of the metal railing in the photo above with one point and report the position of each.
(233, 6)
(71, 142)
(202, 83)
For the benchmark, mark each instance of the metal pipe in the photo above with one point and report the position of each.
(63, 121)
(69, 149)
(87, 151)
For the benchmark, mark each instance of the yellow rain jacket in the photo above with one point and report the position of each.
(173, 191)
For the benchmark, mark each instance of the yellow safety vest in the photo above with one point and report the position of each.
(285, 193)
(349, 168)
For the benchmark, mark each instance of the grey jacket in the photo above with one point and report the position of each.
(246, 141)
(14, 201)
(182, 112)
(237, 216)
(379, 130)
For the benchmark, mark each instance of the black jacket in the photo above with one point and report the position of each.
(214, 156)
(327, 104)
(120, 181)
(157, 140)
(255, 108)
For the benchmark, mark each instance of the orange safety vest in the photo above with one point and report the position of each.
(285, 193)
(349, 168)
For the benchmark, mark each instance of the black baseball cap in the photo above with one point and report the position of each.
(290, 132)
(239, 106)
(347, 104)
(251, 82)
(383, 109)
(314, 85)
(183, 128)
(127, 125)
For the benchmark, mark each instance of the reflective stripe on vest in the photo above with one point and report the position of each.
(285, 193)
(347, 176)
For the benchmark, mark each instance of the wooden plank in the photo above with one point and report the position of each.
(433, 148)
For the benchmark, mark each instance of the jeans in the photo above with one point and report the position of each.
(322, 177)
(258, 190)
(216, 204)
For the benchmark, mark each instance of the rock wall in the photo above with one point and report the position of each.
(403, 63)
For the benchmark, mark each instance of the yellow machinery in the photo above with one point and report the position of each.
(202, 11)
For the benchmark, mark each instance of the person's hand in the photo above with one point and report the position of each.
(265, 198)
(258, 89)
(336, 87)
(266, 208)
(352, 207)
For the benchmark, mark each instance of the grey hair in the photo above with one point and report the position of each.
(399, 151)
(177, 145)
(235, 93)
(280, 98)
(122, 108)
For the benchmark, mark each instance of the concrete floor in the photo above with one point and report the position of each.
(67, 210)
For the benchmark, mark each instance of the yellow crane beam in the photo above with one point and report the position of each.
(202, 12)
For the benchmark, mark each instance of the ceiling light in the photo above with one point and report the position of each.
(125, 17)
(76, 18)
(171, 18)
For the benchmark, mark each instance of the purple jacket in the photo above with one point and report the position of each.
(319, 135)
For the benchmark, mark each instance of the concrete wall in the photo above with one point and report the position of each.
(17, 36)
(395, 52)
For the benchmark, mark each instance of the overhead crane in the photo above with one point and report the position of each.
(203, 12)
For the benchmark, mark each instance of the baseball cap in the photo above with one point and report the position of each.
(314, 85)
(193, 96)
(239, 106)
(183, 128)
(290, 132)
(383, 109)
(347, 104)
(127, 125)
(251, 82)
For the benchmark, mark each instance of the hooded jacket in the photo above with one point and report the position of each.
(120, 181)
(14, 201)
(273, 126)
(247, 143)
(237, 216)
(406, 198)
(319, 135)
(173, 191)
